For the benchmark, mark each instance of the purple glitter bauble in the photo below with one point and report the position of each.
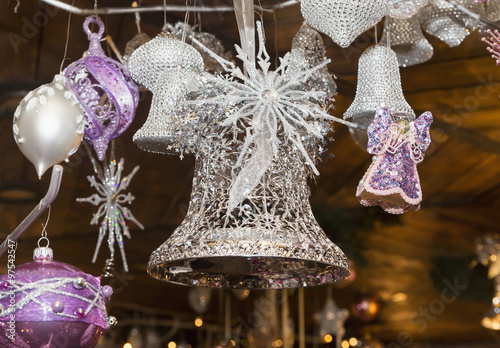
(43, 306)
(5, 286)
(105, 90)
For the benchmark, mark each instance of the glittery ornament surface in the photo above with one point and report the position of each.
(404, 9)
(308, 50)
(166, 66)
(492, 13)
(105, 90)
(446, 22)
(208, 40)
(398, 145)
(273, 101)
(343, 20)
(249, 223)
(407, 41)
(379, 82)
(270, 240)
(47, 302)
(110, 185)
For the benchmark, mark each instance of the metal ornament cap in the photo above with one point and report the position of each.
(407, 40)
(379, 82)
(343, 20)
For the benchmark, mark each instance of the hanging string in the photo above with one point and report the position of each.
(137, 16)
(67, 40)
(44, 226)
(376, 34)
(276, 53)
(186, 19)
(17, 6)
(164, 14)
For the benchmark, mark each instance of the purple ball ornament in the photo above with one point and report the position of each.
(104, 89)
(41, 307)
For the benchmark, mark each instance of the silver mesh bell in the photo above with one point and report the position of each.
(407, 40)
(379, 82)
(343, 20)
(271, 240)
(404, 9)
(446, 22)
(166, 66)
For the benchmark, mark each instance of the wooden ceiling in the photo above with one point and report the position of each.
(460, 177)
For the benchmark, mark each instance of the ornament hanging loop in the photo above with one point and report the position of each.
(94, 37)
(42, 239)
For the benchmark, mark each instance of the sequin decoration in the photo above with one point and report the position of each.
(268, 238)
(379, 82)
(343, 20)
(407, 41)
(105, 90)
(398, 144)
(446, 22)
(167, 67)
(109, 185)
(404, 9)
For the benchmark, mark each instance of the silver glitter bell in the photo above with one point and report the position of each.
(167, 67)
(271, 240)
(308, 51)
(407, 40)
(446, 22)
(379, 82)
(493, 14)
(404, 9)
(343, 20)
(208, 40)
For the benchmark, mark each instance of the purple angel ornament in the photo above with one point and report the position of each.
(105, 90)
(398, 144)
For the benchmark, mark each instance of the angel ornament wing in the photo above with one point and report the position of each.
(398, 145)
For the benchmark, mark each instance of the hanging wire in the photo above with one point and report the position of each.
(44, 227)
(67, 40)
(17, 6)
(186, 20)
(164, 14)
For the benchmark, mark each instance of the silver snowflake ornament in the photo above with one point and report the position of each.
(112, 213)
(262, 103)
